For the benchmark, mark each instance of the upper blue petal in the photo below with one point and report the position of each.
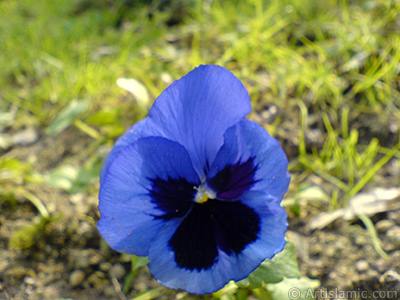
(131, 213)
(196, 110)
(250, 159)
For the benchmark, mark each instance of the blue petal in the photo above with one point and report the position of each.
(196, 110)
(273, 228)
(173, 196)
(250, 159)
(227, 266)
(234, 179)
(130, 216)
(128, 138)
(207, 227)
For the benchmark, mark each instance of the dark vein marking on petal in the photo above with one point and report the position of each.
(173, 196)
(213, 225)
(234, 180)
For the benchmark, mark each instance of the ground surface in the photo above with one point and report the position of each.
(70, 261)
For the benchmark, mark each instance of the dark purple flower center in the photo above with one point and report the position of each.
(211, 226)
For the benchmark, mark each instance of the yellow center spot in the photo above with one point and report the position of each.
(203, 194)
(203, 199)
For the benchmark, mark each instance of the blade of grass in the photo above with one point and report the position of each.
(35, 201)
(302, 126)
(90, 131)
(153, 294)
(332, 179)
(374, 236)
(372, 171)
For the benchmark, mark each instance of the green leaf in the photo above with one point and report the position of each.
(72, 179)
(227, 292)
(113, 130)
(293, 288)
(67, 116)
(284, 264)
(106, 116)
(85, 176)
(139, 261)
(13, 168)
(62, 177)
(136, 263)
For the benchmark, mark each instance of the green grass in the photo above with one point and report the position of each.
(331, 67)
(335, 62)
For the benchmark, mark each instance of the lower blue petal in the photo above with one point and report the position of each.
(228, 226)
(232, 259)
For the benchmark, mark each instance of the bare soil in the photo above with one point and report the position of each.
(71, 261)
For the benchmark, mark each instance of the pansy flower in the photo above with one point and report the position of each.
(195, 186)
